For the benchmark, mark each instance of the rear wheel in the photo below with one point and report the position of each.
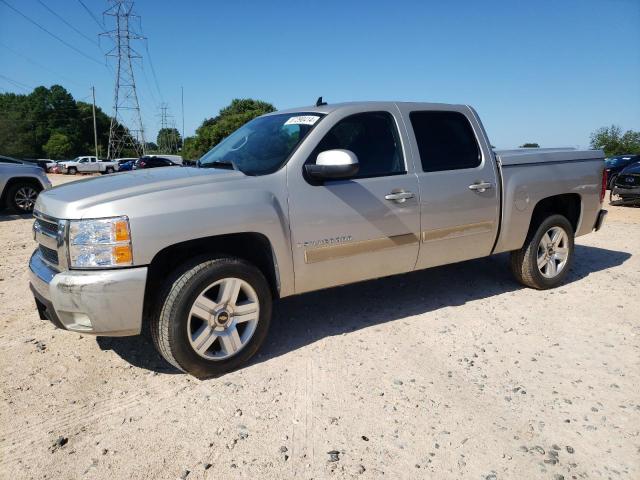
(21, 197)
(544, 260)
(72, 170)
(110, 170)
(214, 316)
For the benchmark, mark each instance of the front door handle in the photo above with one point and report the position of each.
(399, 196)
(481, 186)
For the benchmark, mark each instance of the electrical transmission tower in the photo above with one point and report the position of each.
(170, 141)
(126, 131)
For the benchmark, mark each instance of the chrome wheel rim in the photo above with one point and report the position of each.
(25, 198)
(223, 319)
(553, 252)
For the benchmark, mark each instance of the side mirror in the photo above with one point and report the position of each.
(334, 164)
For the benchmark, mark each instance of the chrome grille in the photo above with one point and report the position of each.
(49, 254)
(49, 233)
(46, 226)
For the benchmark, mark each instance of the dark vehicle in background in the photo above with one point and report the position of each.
(626, 188)
(614, 165)
(153, 162)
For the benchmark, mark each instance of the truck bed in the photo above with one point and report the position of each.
(531, 174)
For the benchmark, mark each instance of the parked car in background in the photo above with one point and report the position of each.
(4, 159)
(177, 159)
(627, 185)
(614, 165)
(153, 162)
(88, 164)
(20, 184)
(125, 164)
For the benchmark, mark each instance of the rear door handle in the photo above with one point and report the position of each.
(399, 197)
(481, 186)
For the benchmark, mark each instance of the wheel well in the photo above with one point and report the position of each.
(255, 248)
(15, 180)
(567, 204)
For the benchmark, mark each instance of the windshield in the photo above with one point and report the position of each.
(263, 145)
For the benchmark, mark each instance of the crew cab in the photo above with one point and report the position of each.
(87, 165)
(296, 201)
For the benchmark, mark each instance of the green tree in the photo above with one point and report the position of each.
(169, 140)
(529, 145)
(228, 120)
(58, 146)
(28, 121)
(614, 142)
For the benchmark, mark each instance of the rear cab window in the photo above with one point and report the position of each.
(446, 141)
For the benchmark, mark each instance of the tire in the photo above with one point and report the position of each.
(72, 170)
(611, 182)
(524, 262)
(21, 197)
(109, 170)
(176, 330)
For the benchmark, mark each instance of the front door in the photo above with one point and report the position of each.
(364, 227)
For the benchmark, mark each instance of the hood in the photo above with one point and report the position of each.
(83, 194)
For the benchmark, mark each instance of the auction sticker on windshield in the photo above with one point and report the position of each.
(302, 120)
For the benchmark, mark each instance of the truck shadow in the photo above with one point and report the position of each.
(304, 319)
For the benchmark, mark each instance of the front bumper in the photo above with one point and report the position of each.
(98, 302)
(627, 193)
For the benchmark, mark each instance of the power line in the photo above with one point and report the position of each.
(16, 83)
(52, 34)
(95, 19)
(68, 24)
(153, 70)
(37, 64)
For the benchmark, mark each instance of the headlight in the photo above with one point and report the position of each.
(100, 243)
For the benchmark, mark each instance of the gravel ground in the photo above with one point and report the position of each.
(453, 372)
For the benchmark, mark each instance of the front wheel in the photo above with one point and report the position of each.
(545, 258)
(213, 317)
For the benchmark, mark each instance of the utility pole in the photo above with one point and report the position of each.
(95, 130)
(126, 130)
(182, 100)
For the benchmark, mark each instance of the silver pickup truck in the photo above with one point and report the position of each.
(295, 201)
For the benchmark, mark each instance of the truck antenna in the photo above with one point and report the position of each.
(319, 102)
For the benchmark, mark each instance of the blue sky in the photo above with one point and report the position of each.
(543, 71)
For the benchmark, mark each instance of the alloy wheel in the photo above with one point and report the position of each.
(223, 319)
(553, 252)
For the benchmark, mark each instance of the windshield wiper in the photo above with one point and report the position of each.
(221, 164)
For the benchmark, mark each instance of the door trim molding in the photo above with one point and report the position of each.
(457, 231)
(320, 254)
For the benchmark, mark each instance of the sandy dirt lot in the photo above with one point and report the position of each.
(453, 372)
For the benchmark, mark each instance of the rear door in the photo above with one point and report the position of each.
(459, 190)
(359, 228)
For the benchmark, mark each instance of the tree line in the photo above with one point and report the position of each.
(50, 123)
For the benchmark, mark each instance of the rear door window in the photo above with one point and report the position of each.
(445, 140)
